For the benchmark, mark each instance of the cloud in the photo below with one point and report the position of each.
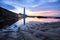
(48, 6)
(7, 6)
(30, 3)
(52, 0)
(33, 5)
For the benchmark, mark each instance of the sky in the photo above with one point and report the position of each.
(33, 7)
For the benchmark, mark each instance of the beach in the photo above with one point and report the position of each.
(33, 30)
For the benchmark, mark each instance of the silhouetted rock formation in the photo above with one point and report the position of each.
(7, 17)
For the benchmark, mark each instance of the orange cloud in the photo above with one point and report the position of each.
(44, 13)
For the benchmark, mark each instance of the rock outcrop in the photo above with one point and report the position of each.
(7, 18)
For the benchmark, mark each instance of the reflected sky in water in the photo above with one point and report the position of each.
(42, 19)
(37, 20)
(19, 23)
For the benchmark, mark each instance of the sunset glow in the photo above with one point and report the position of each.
(42, 20)
(44, 13)
(33, 7)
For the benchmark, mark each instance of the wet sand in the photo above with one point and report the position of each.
(34, 31)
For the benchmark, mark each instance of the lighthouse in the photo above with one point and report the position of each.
(24, 16)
